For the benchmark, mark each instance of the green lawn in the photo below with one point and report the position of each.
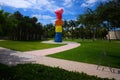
(26, 45)
(41, 72)
(91, 52)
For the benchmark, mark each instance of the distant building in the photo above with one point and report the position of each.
(113, 35)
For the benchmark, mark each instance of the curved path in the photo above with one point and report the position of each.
(70, 65)
(68, 46)
(13, 57)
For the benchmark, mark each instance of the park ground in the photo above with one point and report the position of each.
(85, 47)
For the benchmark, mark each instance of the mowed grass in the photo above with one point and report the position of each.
(92, 52)
(41, 72)
(26, 45)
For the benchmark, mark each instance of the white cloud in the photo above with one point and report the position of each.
(88, 3)
(44, 18)
(38, 5)
(47, 17)
(91, 1)
(44, 5)
(39, 16)
(68, 3)
(53, 21)
(84, 5)
(16, 3)
(105, 0)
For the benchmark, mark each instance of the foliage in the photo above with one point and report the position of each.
(110, 12)
(41, 72)
(18, 27)
(93, 20)
(49, 30)
(93, 24)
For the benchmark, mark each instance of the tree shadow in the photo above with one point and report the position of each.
(10, 57)
(114, 56)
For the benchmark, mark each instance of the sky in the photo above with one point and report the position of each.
(44, 9)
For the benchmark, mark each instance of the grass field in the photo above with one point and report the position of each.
(92, 52)
(88, 52)
(41, 72)
(26, 46)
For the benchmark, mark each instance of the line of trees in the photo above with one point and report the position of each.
(49, 31)
(18, 27)
(104, 18)
(90, 25)
(93, 24)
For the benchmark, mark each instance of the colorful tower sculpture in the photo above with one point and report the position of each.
(58, 25)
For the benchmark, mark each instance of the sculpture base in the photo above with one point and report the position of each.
(58, 37)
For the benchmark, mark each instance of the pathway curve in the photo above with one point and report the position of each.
(68, 46)
(39, 57)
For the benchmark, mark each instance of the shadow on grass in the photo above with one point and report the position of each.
(10, 57)
(114, 56)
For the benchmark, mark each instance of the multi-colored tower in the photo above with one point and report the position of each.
(58, 25)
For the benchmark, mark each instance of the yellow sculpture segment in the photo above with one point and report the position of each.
(58, 28)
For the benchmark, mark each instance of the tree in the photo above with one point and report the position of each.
(6, 23)
(2, 19)
(49, 30)
(65, 29)
(27, 28)
(110, 13)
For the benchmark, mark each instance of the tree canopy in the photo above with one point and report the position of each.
(90, 25)
(18, 27)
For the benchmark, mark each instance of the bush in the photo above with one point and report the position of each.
(41, 72)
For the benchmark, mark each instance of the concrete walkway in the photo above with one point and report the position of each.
(90, 69)
(39, 57)
(68, 46)
(11, 57)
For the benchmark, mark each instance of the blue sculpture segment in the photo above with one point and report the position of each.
(58, 37)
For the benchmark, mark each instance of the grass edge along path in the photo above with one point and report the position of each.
(26, 45)
(41, 72)
(92, 52)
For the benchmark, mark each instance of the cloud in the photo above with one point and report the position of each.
(16, 3)
(45, 19)
(44, 5)
(68, 3)
(91, 1)
(105, 0)
(39, 5)
(88, 3)
(84, 5)
(42, 17)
